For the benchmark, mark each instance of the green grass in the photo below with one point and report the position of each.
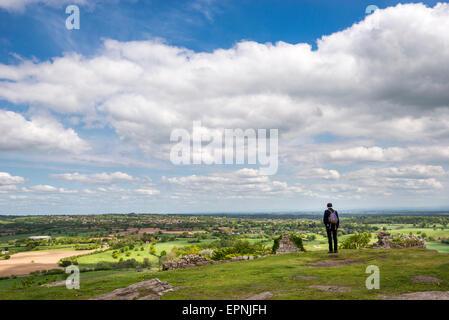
(440, 247)
(272, 273)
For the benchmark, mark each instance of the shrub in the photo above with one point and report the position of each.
(239, 248)
(54, 271)
(64, 263)
(181, 252)
(356, 241)
(297, 241)
(67, 262)
(276, 245)
(146, 263)
(206, 253)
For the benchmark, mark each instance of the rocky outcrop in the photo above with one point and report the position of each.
(386, 241)
(261, 296)
(286, 245)
(188, 261)
(193, 260)
(146, 290)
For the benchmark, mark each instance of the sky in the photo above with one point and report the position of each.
(359, 98)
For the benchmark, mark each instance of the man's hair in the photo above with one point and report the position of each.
(329, 205)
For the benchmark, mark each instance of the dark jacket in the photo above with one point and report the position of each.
(326, 222)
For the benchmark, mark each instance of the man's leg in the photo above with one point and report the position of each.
(334, 234)
(329, 238)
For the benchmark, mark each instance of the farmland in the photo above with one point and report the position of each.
(116, 250)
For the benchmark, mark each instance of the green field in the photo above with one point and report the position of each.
(438, 246)
(106, 256)
(273, 273)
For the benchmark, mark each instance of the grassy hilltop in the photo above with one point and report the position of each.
(277, 274)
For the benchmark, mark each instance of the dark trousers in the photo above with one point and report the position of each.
(332, 234)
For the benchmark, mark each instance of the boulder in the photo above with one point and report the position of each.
(386, 241)
(286, 245)
(145, 290)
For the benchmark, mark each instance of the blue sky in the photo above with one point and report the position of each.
(86, 114)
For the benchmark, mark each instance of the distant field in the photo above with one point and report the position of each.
(26, 262)
(440, 247)
(106, 256)
(428, 231)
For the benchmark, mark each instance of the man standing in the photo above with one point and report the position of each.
(332, 222)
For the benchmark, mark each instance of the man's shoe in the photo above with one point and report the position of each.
(330, 252)
(336, 251)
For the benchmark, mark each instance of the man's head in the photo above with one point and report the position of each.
(329, 205)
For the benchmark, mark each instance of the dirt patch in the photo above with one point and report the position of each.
(261, 296)
(331, 288)
(54, 284)
(299, 277)
(334, 262)
(426, 279)
(21, 263)
(423, 295)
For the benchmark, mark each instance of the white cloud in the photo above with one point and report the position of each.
(47, 189)
(95, 178)
(368, 154)
(20, 5)
(381, 92)
(318, 173)
(392, 154)
(244, 182)
(412, 172)
(39, 134)
(8, 179)
(356, 84)
(148, 192)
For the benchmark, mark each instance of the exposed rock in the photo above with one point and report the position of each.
(146, 290)
(193, 260)
(330, 288)
(423, 295)
(386, 241)
(426, 279)
(261, 296)
(286, 245)
(187, 261)
(334, 262)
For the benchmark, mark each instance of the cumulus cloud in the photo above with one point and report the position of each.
(380, 90)
(47, 189)
(411, 172)
(392, 154)
(148, 192)
(20, 5)
(319, 173)
(8, 179)
(355, 84)
(95, 178)
(38, 134)
(240, 183)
